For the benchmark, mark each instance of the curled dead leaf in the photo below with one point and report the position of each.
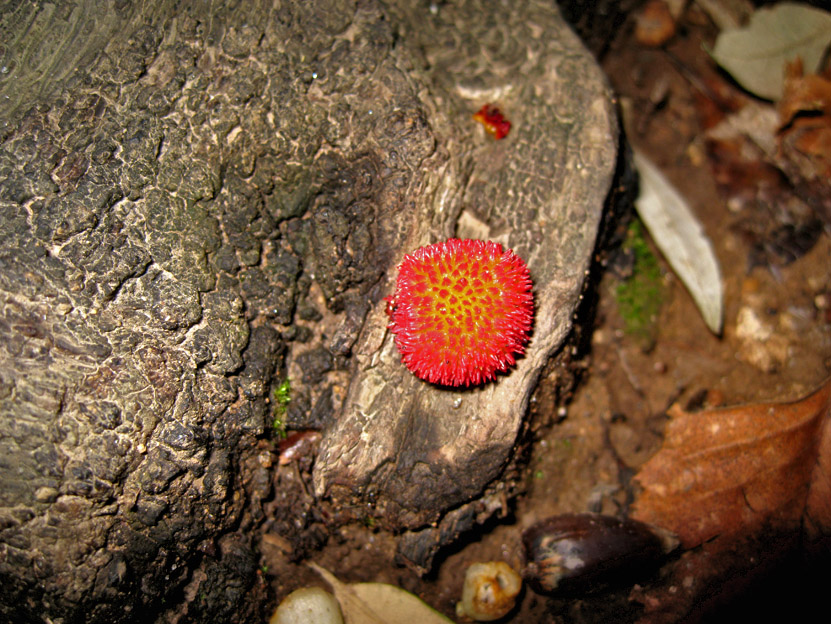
(805, 122)
(803, 94)
(817, 518)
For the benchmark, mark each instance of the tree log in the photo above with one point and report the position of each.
(416, 449)
(196, 203)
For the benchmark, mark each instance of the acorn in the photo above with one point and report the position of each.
(462, 311)
(580, 553)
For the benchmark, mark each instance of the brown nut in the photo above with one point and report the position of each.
(583, 552)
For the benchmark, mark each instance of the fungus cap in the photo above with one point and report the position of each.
(462, 311)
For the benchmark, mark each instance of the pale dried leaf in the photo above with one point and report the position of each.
(355, 610)
(681, 239)
(756, 121)
(379, 603)
(398, 605)
(756, 55)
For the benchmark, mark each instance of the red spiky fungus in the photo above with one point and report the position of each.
(462, 310)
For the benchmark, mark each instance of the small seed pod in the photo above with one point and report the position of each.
(583, 552)
(489, 592)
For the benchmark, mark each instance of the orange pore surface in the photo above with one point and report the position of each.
(462, 310)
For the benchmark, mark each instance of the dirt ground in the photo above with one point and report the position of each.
(586, 450)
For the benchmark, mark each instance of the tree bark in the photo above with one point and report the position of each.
(198, 203)
(413, 449)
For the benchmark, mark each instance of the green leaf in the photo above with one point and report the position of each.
(756, 54)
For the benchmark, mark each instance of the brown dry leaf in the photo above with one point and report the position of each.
(808, 143)
(805, 122)
(742, 149)
(817, 519)
(803, 94)
(654, 24)
(737, 485)
(729, 472)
